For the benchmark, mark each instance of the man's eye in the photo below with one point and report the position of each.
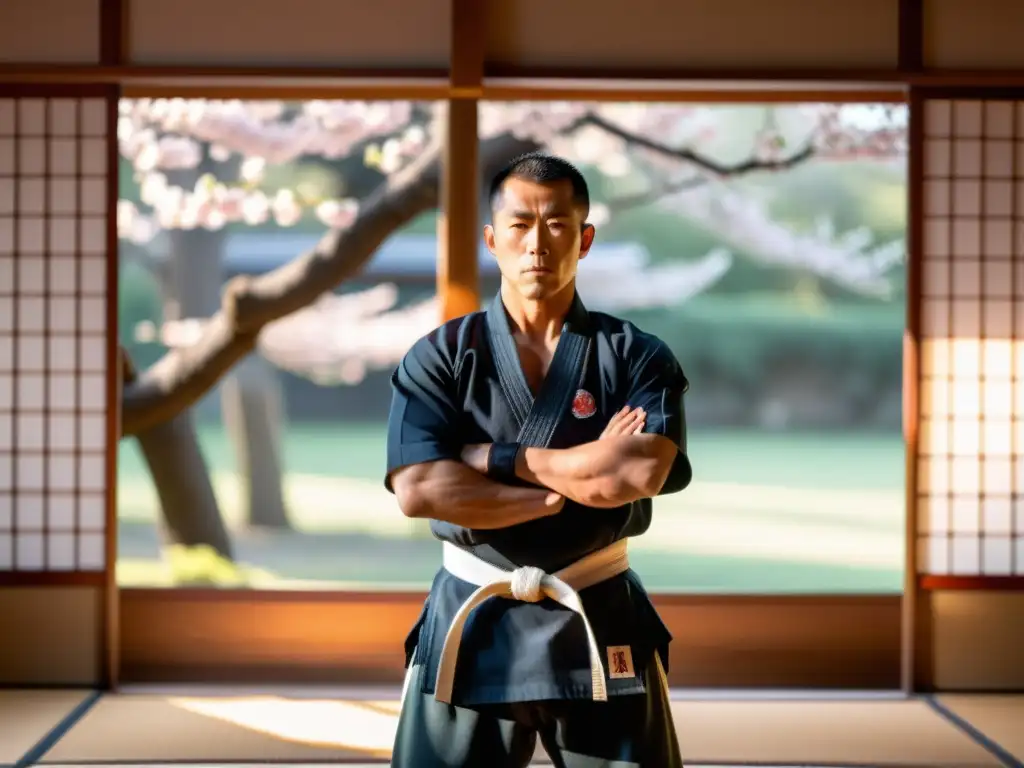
(519, 225)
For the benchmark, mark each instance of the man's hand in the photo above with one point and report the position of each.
(628, 421)
(475, 456)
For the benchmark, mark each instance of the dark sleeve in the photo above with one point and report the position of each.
(422, 423)
(657, 385)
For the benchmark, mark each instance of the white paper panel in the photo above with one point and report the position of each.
(53, 325)
(971, 438)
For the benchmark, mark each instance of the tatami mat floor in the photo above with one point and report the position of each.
(353, 728)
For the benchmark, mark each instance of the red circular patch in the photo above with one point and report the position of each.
(583, 405)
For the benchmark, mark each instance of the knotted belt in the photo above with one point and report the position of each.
(529, 585)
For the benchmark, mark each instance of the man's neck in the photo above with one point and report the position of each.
(538, 320)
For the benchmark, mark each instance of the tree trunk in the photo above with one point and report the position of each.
(253, 410)
(196, 271)
(191, 515)
(189, 508)
(191, 288)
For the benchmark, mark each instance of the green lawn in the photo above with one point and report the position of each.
(766, 513)
(826, 461)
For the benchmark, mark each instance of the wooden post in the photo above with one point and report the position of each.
(114, 52)
(458, 226)
(915, 640)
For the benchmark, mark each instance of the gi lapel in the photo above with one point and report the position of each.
(506, 362)
(538, 418)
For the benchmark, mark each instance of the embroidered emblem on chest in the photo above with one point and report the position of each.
(583, 404)
(620, 662)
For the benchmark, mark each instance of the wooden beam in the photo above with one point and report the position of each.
(910, 57)
(458, 224)
(665, 85)
(721, 641)
(972, 583)
(718, 92)
(469, 30)
(13, 579)
(114, 32)
(634, 74)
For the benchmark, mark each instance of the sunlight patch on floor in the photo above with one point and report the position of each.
(362, 726)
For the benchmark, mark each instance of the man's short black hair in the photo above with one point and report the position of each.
(542, 169)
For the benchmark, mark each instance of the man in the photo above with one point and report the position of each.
(533, 435)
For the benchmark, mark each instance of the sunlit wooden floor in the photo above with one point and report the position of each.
(355, 727)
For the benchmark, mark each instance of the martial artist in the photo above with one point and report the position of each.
(533, 435)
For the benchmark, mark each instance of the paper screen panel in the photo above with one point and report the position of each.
(971, 476)
(53, 166)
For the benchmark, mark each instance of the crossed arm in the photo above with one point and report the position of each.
(609, 472)
(620, 467)
(453, 492)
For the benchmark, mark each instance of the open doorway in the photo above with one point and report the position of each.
(763, 242)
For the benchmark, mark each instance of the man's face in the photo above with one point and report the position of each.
(538, 237)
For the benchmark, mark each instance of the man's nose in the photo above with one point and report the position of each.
(537, 243)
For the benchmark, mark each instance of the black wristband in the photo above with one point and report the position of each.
(501, 462)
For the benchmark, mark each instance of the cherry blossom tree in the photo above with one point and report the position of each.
(290, 314)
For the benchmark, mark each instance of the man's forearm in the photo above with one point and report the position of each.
(452, 492)
(605, 473)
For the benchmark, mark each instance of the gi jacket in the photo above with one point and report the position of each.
(463, 384)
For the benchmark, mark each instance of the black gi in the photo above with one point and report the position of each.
(523, 668)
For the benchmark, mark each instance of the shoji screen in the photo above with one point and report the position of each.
(971, 470)
(53, 325)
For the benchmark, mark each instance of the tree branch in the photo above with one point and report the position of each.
(704, 163)
(700, 161)
(185, 374)
(723, 170)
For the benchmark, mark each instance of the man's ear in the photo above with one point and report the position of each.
(489, 237)
(586, 239)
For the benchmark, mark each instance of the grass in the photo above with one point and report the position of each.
(766, 513)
